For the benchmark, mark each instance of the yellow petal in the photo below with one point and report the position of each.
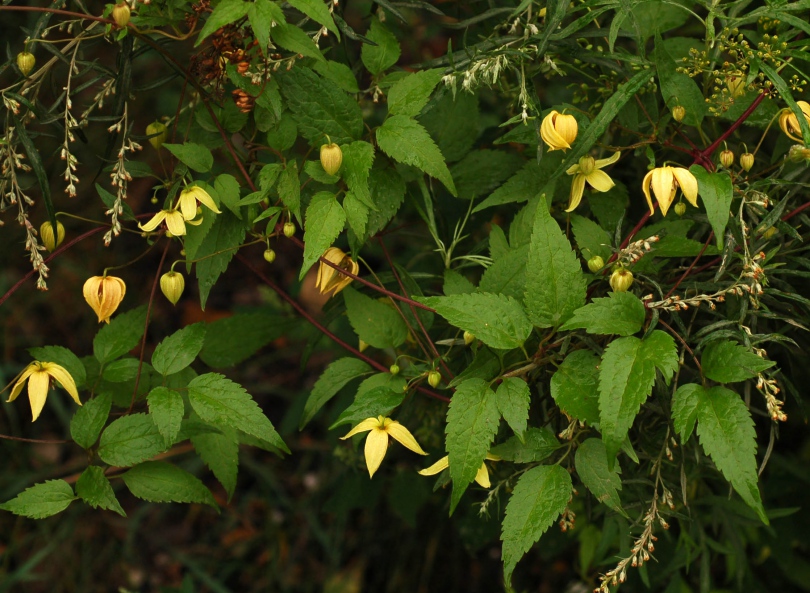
(688, 184)
(187, 204)
(38, 392)
(376, 446)
(577, 188)
(441, 465)
(482, 476)
(599, 180)
(204, 198)
(550, 135)
(404, 436)
(573, 169)
(608, 161)
(645, 187)
(18, 386)
(364, 426)
(61, 374)
(175, 223)
(153, 222)
(662, 180)
(567, 127)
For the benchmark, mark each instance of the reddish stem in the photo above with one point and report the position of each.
(692, 265)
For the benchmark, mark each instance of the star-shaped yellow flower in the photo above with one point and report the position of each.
(590, 170)
(665, 182)
(329, 279)
(175, 222)
(558, 130)
(790, 123)
(104, 294)
(379, 429)
(39, 375)
(482, 477)
(188, 202)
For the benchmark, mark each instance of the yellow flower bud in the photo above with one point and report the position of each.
(104, 294)
(727, 158)
(48, 239)
(120, 14)
(559, 130)
(172, 285)
(328, 278)
(790, 123)
(596, 263)
(331, 158)
(469, 338)
(621, 280)
(680, 208)
(747, 161)
(736, 85)
(25, 62)
(269, 256)
(158, 134)
(289, 229)
(434, 378)
(678, 113)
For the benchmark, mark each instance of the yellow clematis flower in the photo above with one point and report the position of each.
(175, 222)
(559, 130)
(379, 429)
(665, 182)
(329, 278)
(188, 202)
(790, 123)
(590, 170)
(104, 294)
(482, 477)
(39, 375)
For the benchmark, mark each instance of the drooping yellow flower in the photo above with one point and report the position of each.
(175, 222)
(379, 429)
(482, 477)
(665, 182)
(590, 170)
(790, 123)
(559, 130)
(329, 278)
(39, 375)
(188, 202)
(104, 294)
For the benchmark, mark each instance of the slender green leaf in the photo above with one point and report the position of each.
(717, 192)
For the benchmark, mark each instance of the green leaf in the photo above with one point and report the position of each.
(130, 440)
(338, 73)
(123, 369)
(220, 401)
(620, 313)
(42, 500)
(717, 192)
(685, 402)
(225, 13)
(63, 357)
(410, 94)
(385, 54)
(294, 39)
(179, 350)
(315, 170)
(406, 141)
(540, 495)
(626, 378)
(233, 339)
(512, 398)
(289, 189)
(358, 158)
(220, 452)
(356, 215)
(158, 481)
(218, 248)
(556, 286)
(318, 12)
(453, 122)
(95, 489)
(120, 336)
(336, 376)
(472, 421)
(227, 188)
(726, 433)
(495, 319)
(783, 90)
(195, 156)
(87, 422)
(575, 386)
(592, 468)
(528, 182)
(591, 239)
(507, 275)
(725, 361)
(321, 108)
(481, 171)
(372, 402)
(262, 14)
(167, 410)
(537, 445)
(678, 88)
(376, 323)
(455, 283)
(325, 220)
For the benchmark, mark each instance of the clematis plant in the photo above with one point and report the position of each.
(39, 376)
(379, 429)
(590, 170)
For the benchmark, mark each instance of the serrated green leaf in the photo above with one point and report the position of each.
(537, 445)
(227, 188)
(575, 386)
(225, 13)
(220, 401)
(410, 94)
(217, 250)
(678, 88)
(262, 14)
(481, 171)
(358, 158)
(233, 339)
(372, 402)
(195, 156)
(717, 192)
(406, 141)
(540, 495)
(556, 286)
(63, 357)
(41, 500)
(130, 440)
(356, 214)
(123, 369)
(472, 421)
(179, 350)
(295, 40)
(507, 274)
(385, 54)
(685, 402)
(725, 361)
(387, 192)
(87, 422)
(620, 313)
(376, 323)
(338, 73)
(289, 189)
(591, 238)
(315, 170)
(455, 283)
(318, 12)
(334, 378)
(496, 320)
(220, 452)
(120, 336)
(95, 489)
(512, 398)
(158, 481)
(726, 432)
(167, 410)
(325, 220)
(453, 122)
(592, 468)
(528, 182)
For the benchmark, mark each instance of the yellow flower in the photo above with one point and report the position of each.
(379, 429)
(39, 375)
(482, 477)
(188, 202)
(665, 182)
(589, 170)
(329, 278)
(104, 294)
(790, 123)
(175, 222)
(558, 130)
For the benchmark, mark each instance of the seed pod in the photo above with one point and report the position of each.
(678, 113)
(621, 280)
(680, 208)
(25, 62)
(394, 369)
(727, 158)
(596, 263)
(158, 133)
(469, 338)
(269, 256)
(289, 229)
(331, 158)
(172, 285)
(120, 14)
(434, 378)
(747, 161)
(48, 239)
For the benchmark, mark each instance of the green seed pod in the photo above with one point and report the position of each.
(50, 241)
(596, 263)
(172, 285)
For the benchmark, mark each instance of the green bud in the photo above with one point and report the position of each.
(678, 113)
(434, 378)
(680, 208)
(289, 229)
(269, 256)
(50, 241)
(172, 285)
(469, 338)
(394, 369)
(596, 263)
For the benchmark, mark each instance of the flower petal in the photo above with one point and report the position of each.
(153, 222)
(18, 386)
(645, 187)
(550, 135)
(38, 392)
(482, 476)
(187, 204)
(577, 188)
(204, 198)
(688, 184)
(61, 374)
(376, 446)
(599, 180)
(364, 426)
(662, 180)
(441, 465)
(404, 436)
(601, 163)
(175, 223)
